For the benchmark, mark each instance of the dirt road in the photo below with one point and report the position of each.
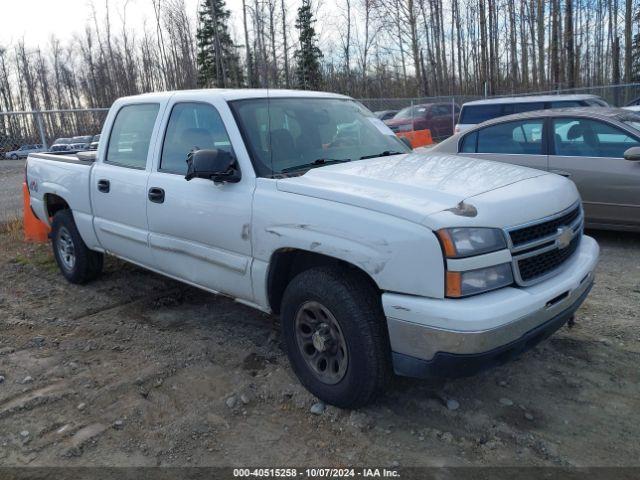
(136, 369)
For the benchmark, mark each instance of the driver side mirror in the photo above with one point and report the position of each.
(217, 165)
(632, 154)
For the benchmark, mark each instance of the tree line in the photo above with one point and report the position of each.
(364, 48)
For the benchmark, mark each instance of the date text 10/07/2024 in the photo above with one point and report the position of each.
(315, 472)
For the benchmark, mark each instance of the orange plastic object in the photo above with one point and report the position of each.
(418, 138)
(34, 229)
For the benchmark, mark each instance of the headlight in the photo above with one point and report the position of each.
(405, 128)
(468, 241)
(471, 282)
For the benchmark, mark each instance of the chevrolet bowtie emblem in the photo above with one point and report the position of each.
(565, 235)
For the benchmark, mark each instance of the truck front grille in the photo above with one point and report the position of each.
(533, 267)
(539, 249)
(544, 229)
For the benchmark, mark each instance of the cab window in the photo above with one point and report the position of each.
(192, 126)
(131, 135)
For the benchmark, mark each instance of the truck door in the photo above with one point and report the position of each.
(199, 231)
(119, 184)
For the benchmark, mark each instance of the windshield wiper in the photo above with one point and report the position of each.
(386, 153)
(315, 163)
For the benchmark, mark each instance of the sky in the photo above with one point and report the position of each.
(37, 20)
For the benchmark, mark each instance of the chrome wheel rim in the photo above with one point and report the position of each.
(321, 342)
(66, 250)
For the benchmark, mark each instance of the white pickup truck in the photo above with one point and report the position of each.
(303, 204)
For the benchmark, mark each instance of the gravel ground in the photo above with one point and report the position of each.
(11, 175)
(136, 369)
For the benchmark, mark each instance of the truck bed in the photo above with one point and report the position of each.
(66, 175)
(83, 158)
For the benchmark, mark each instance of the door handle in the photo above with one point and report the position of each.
(104, 185)
(156, 195)
(561, 172)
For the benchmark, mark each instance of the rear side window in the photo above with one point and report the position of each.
(527, 107)
(131, 135)
(479, 113)
(566, 104)
(596, 102)
(522, 137)
(482, 113)
(191, 127)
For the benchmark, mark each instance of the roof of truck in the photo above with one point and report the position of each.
(234, 94)
(531, 98)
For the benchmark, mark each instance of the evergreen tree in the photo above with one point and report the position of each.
(308, 55)
(218, 59)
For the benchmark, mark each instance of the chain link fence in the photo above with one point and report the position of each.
(616, 95)
(25, 132)
(385, 108)
(21, 132)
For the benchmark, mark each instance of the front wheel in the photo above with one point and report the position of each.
(77, 263)
(14, 157)
(336, 335)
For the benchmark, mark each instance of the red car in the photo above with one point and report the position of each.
(437, 117)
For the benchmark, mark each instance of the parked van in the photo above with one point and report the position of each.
(480, 111)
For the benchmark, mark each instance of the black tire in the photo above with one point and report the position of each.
(14, 157)
(77, 263)
(355, 303)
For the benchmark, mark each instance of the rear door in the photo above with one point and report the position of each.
(519, 142)
(199, 231)
(590, 152)
(119, 183)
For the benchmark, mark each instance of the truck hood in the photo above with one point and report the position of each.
(410, 186)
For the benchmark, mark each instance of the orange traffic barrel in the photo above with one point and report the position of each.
(34, 229)
(417, 138)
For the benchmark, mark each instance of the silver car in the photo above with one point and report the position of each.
(598, 148)
(23, 151)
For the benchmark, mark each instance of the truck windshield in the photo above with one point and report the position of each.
(286, 135)
(411, 112)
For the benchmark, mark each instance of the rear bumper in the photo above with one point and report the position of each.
(453, 337)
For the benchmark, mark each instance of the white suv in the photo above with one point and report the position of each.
(479, 111)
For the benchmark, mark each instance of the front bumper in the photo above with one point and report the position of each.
(454, 337)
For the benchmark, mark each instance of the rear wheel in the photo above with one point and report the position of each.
(336, 335)
(77, 263)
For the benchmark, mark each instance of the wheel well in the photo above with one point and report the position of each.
(54, 203)
(286, 263)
